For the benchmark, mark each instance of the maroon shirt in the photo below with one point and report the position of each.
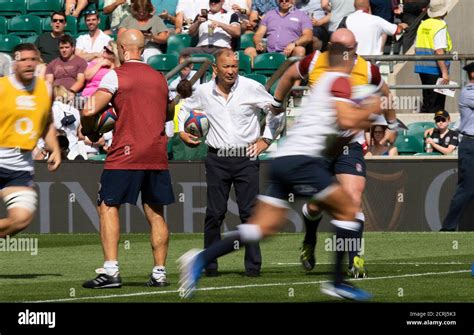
(65, 72)
(141, 101)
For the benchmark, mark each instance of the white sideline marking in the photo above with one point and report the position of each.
(219, 288)
(387, 263)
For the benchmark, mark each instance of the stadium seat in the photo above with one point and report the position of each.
(70, 28)
(12, 7)
(257, 77)
(164, 62)
(43, 8)
(8, 42)
(268, 63)
(246, 41)
(3, 25)
(25, 25)
(178, 42)
(29, 39)
(408, 144)
(198, 65)
(245, 63)
(99, 6)
(419, 127)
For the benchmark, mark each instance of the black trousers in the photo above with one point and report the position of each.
(221, 174)
(465, 189)
(432, 101)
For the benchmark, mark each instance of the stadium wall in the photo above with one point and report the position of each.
(411, 194)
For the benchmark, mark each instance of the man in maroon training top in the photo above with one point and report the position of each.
(137, 160)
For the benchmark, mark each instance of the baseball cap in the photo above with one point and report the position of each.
(214, 1)
(441, 113)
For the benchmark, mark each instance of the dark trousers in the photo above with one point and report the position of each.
(465, 189)
(221, 173)
(432, 101)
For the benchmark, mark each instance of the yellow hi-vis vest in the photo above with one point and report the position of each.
(425, 45)
(359, 75)
(23, 114)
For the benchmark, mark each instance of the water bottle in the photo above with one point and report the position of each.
(428, 147)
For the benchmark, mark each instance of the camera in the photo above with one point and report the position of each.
(67, 120)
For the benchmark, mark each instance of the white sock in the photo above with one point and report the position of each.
(347, 225)
(249, 232)
(158, 271)
(111, 267)
(305, 212)
(360, 216)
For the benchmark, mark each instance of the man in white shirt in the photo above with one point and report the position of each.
(91, 45)
(186, 12)
(215, 29)
(369, 29)
(232, 105)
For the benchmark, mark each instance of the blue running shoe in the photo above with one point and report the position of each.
(190, 266)
(345, 290)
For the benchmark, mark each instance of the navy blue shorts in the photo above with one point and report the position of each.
(301, 176)
(350, 161)
(124, 186)
(9, 178)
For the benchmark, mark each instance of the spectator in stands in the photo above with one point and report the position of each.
(259, 9)
(68, 69)
(186, 73)
(288, 31)
(66, 118)
(47, 43)
(433, 39)
(5, 65)
(240, 7)
(377, 134)
(412, 13)
(338, 9)
(166, 10)
(442, 139)
(465, 188)
(75, 7)
(215, 29)
(384, 9)
(151, 26)
(99, 67)
(319, 19)
(91, 45)
(369, 29)
(186, 13)
(118, 10)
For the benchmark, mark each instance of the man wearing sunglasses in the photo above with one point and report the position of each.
(442, 139)
(465, 189)
(48, 42)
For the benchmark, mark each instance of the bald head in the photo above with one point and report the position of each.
(362, 4)
(344, 37)
(130, 45)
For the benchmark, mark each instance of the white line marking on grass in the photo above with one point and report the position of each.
(386, 263)
(219, 288)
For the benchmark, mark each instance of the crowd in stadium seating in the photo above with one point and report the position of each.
(74, 36)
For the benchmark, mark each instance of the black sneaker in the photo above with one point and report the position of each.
(160, 282)
(104, 281)
(307, 258)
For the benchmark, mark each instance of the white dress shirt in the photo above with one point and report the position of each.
(233, 122)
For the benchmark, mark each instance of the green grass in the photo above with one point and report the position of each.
(65, 261)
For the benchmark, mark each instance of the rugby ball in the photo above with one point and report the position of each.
(105, 120)
(196, 123)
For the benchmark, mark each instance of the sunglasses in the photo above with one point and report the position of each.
(281, 1)
(440, 119)
(58, 20)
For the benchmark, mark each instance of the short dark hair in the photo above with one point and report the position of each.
(25, 47)
(65, 39)
(61, 13)
(91, 12)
